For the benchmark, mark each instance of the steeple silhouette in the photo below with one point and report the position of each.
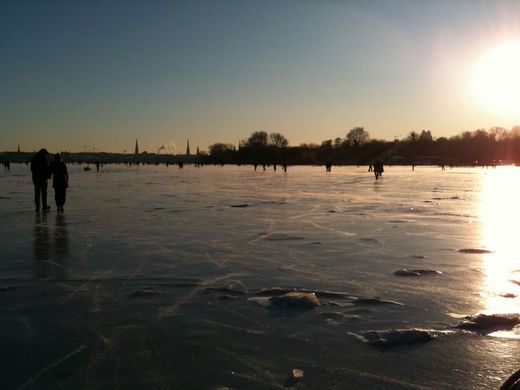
(18, 148)
(136, 147)
(188, 148)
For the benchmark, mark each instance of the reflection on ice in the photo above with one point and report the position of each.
(61, 239)
(50, 255)
(41, 249)
(507, 334)
(500, 216)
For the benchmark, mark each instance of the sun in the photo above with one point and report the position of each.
(496, 80)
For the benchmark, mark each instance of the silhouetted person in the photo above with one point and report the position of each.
(328, 167)
(41, 172)
(7, 165)
(97, 165)
(60, 180)
(370, 168)
(378, 169)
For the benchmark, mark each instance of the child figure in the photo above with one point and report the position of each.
(60, 180)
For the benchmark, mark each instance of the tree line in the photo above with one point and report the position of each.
(480, 147)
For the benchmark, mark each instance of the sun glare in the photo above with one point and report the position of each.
(500, 217)
(496, 80)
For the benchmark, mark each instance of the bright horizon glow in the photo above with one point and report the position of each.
(98, 75)
(496, 80)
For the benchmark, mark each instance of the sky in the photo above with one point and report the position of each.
(97, 75)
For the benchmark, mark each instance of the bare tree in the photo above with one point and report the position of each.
(358, 136)
(412, 136)
(279, 140)
(327, 144)
(219, 148)
(258, 138)
(498, 133)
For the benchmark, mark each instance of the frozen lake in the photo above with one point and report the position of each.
(151, 278)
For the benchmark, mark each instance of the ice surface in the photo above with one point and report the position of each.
(147, 279)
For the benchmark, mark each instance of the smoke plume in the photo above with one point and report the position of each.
(169, 145)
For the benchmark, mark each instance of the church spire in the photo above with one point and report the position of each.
(136, 147)
(188, 148)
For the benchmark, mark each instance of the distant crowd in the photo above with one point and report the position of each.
(42, 170)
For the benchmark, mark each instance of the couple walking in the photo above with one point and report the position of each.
(41, 172)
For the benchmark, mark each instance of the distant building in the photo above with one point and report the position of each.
(188, 148)
(198, 150)
(136, 147)
(18, 150)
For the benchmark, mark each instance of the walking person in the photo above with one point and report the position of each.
(378, 169)
(60, 180)
(41, 172)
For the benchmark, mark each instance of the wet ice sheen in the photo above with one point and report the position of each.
(151, 278)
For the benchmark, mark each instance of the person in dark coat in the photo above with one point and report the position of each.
(41, 172)
(378, 169)
(60, 180)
